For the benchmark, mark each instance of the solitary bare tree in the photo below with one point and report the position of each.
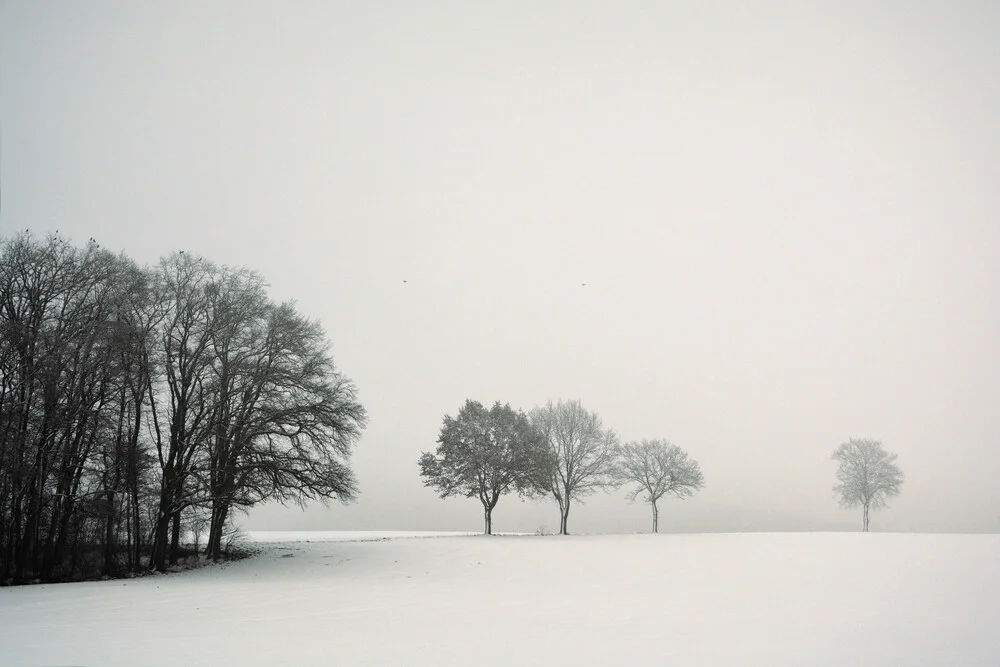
(868, 475)
(657, 468)
(582, 453)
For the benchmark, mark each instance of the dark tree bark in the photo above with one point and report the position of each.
(96, 353)
(175, 536)
(564, 518)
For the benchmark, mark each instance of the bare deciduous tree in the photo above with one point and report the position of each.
(63, 413)
(868, 475)
(582, 453)
(131, 399)
(289, 423)
(184, 406)
(657, 468)
(486, 454)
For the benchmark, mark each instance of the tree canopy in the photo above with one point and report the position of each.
(486, 453)
(867, 474)
(134, 400)
(657, 468)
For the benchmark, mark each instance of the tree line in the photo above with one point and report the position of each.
(136, 402)
(562, 450)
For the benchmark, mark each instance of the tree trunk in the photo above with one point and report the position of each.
(158, 557)
(138, 391)
(137, 532)
(656, 517)
(488, 512)
(865, 529)
(223, 517)
(14, 544)
(175, 538)
(564, 518)
(109, 536)
(212, 523)
(215, 531)
(161, 532)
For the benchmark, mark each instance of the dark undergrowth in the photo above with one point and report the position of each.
(87, 564)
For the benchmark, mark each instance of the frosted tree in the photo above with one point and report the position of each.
(868, 476)
(582, 452)
(486, 453)
(657, 468)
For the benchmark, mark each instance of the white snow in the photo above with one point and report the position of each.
(289, 536)
(792, 599)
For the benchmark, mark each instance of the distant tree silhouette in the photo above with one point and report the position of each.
(868, 476)
(657, 468)
(486, 454)
(582, 452)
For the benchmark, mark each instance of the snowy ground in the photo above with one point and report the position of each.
(309, 536)
(723, 599)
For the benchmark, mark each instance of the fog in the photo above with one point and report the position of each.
(786, 217)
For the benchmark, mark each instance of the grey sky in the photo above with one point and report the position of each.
(787, 216)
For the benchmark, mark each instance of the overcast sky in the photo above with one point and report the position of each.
(787, 217)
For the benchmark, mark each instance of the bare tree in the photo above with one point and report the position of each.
(868, 475)
(486, 454)
(657, 468)
(286, 420)
(129, 397)
(182, 406)
(582, 453)
(239, 344)
(62, 411)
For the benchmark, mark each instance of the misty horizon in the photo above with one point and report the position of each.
(753, 231)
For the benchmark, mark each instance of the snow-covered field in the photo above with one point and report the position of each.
(308, 536)
(714, 599)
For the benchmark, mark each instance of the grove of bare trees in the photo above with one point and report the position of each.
(868, 476)
(562, 450)
(134, 401)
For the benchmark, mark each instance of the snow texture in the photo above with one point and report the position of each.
(386, 599)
